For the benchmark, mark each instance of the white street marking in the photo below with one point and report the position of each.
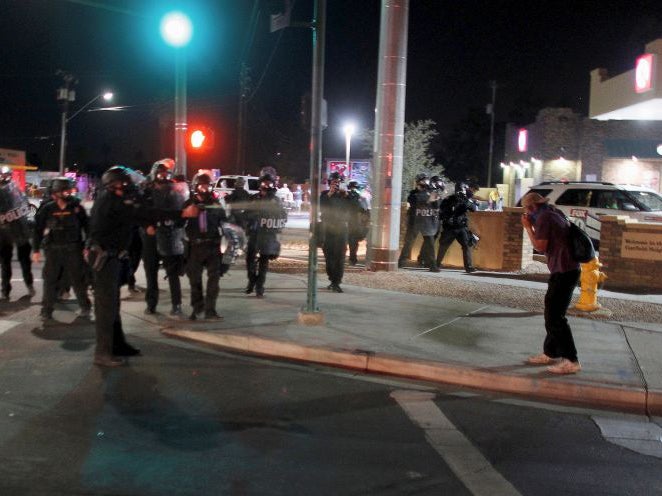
(642, 437)
(466, 462)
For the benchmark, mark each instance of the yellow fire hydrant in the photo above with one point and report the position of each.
(589, 279)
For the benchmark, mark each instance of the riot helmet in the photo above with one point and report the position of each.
(202, 186)
(5, 174)
(62, 187)
(461, 188)
(267, 184)
(353, 184)
(118, 179)
(162, 170)
(437, 183)
(422, 180)
(335, 176)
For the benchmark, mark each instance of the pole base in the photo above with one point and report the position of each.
(383, 260)
(310, 318)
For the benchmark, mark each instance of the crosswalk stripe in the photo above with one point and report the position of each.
(463, 458)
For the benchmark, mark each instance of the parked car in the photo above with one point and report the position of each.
(585, 202)
(225, 184)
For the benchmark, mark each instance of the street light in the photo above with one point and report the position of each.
(177, 30)
(67, 96)
(348, 129)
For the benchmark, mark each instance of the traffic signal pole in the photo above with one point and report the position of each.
(181, 123)
(311, 314)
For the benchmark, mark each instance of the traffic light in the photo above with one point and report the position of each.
(200, 139)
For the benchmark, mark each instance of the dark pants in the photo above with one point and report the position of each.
(334, 249)
(172, 265)
(201, 256)
(353, 244)
(135, 254)
(559, 342)
(107, 321)
(23, 254)
(66, 259)
(410, 237)
(446, 239)
(257, 266)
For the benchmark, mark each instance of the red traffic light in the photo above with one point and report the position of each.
(200, 139)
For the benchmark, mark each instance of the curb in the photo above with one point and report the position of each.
(638, 400)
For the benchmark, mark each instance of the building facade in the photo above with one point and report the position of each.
(620, 142)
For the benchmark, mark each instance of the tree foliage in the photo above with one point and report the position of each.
(417, 151)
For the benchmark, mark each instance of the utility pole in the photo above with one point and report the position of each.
(493, 85)
(389, 136)
(65, 95)
(244, 86)
(310, 314)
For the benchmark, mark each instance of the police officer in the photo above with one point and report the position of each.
(203, 236)
(165, 240)
(61, 227)
(14, 230)
(238, 201)
(424, 210)
(358, 221)
(455, 224)
(334, 212)
(266, 217)
(116, 210)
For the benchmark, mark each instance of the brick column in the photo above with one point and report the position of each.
(517, 249)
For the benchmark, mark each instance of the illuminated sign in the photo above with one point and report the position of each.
(522, 138)
(643, 74)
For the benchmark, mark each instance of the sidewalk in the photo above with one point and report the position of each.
(424, 337)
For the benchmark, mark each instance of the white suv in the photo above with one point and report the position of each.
(225, 184)
(585, 202)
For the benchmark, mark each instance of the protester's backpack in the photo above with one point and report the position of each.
(581, 246)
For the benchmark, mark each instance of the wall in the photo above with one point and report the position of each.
(503, 244)
(638, 268)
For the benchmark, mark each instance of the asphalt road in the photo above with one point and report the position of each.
(187, 420)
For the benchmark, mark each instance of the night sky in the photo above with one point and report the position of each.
(539, 52)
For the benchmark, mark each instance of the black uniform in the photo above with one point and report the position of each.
(111, 223)
(238, 202)
(455, 224)
(424, 208)
(166, 245)
(14, 230)
(203, 236)
(357, 223)
(266, 217)
(62, 232)
(334, 210)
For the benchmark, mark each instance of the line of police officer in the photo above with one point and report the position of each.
(15, 231)
(432, 217)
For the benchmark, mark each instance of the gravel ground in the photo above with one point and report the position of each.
(527, 299)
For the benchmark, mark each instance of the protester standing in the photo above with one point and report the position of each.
(548, 229)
